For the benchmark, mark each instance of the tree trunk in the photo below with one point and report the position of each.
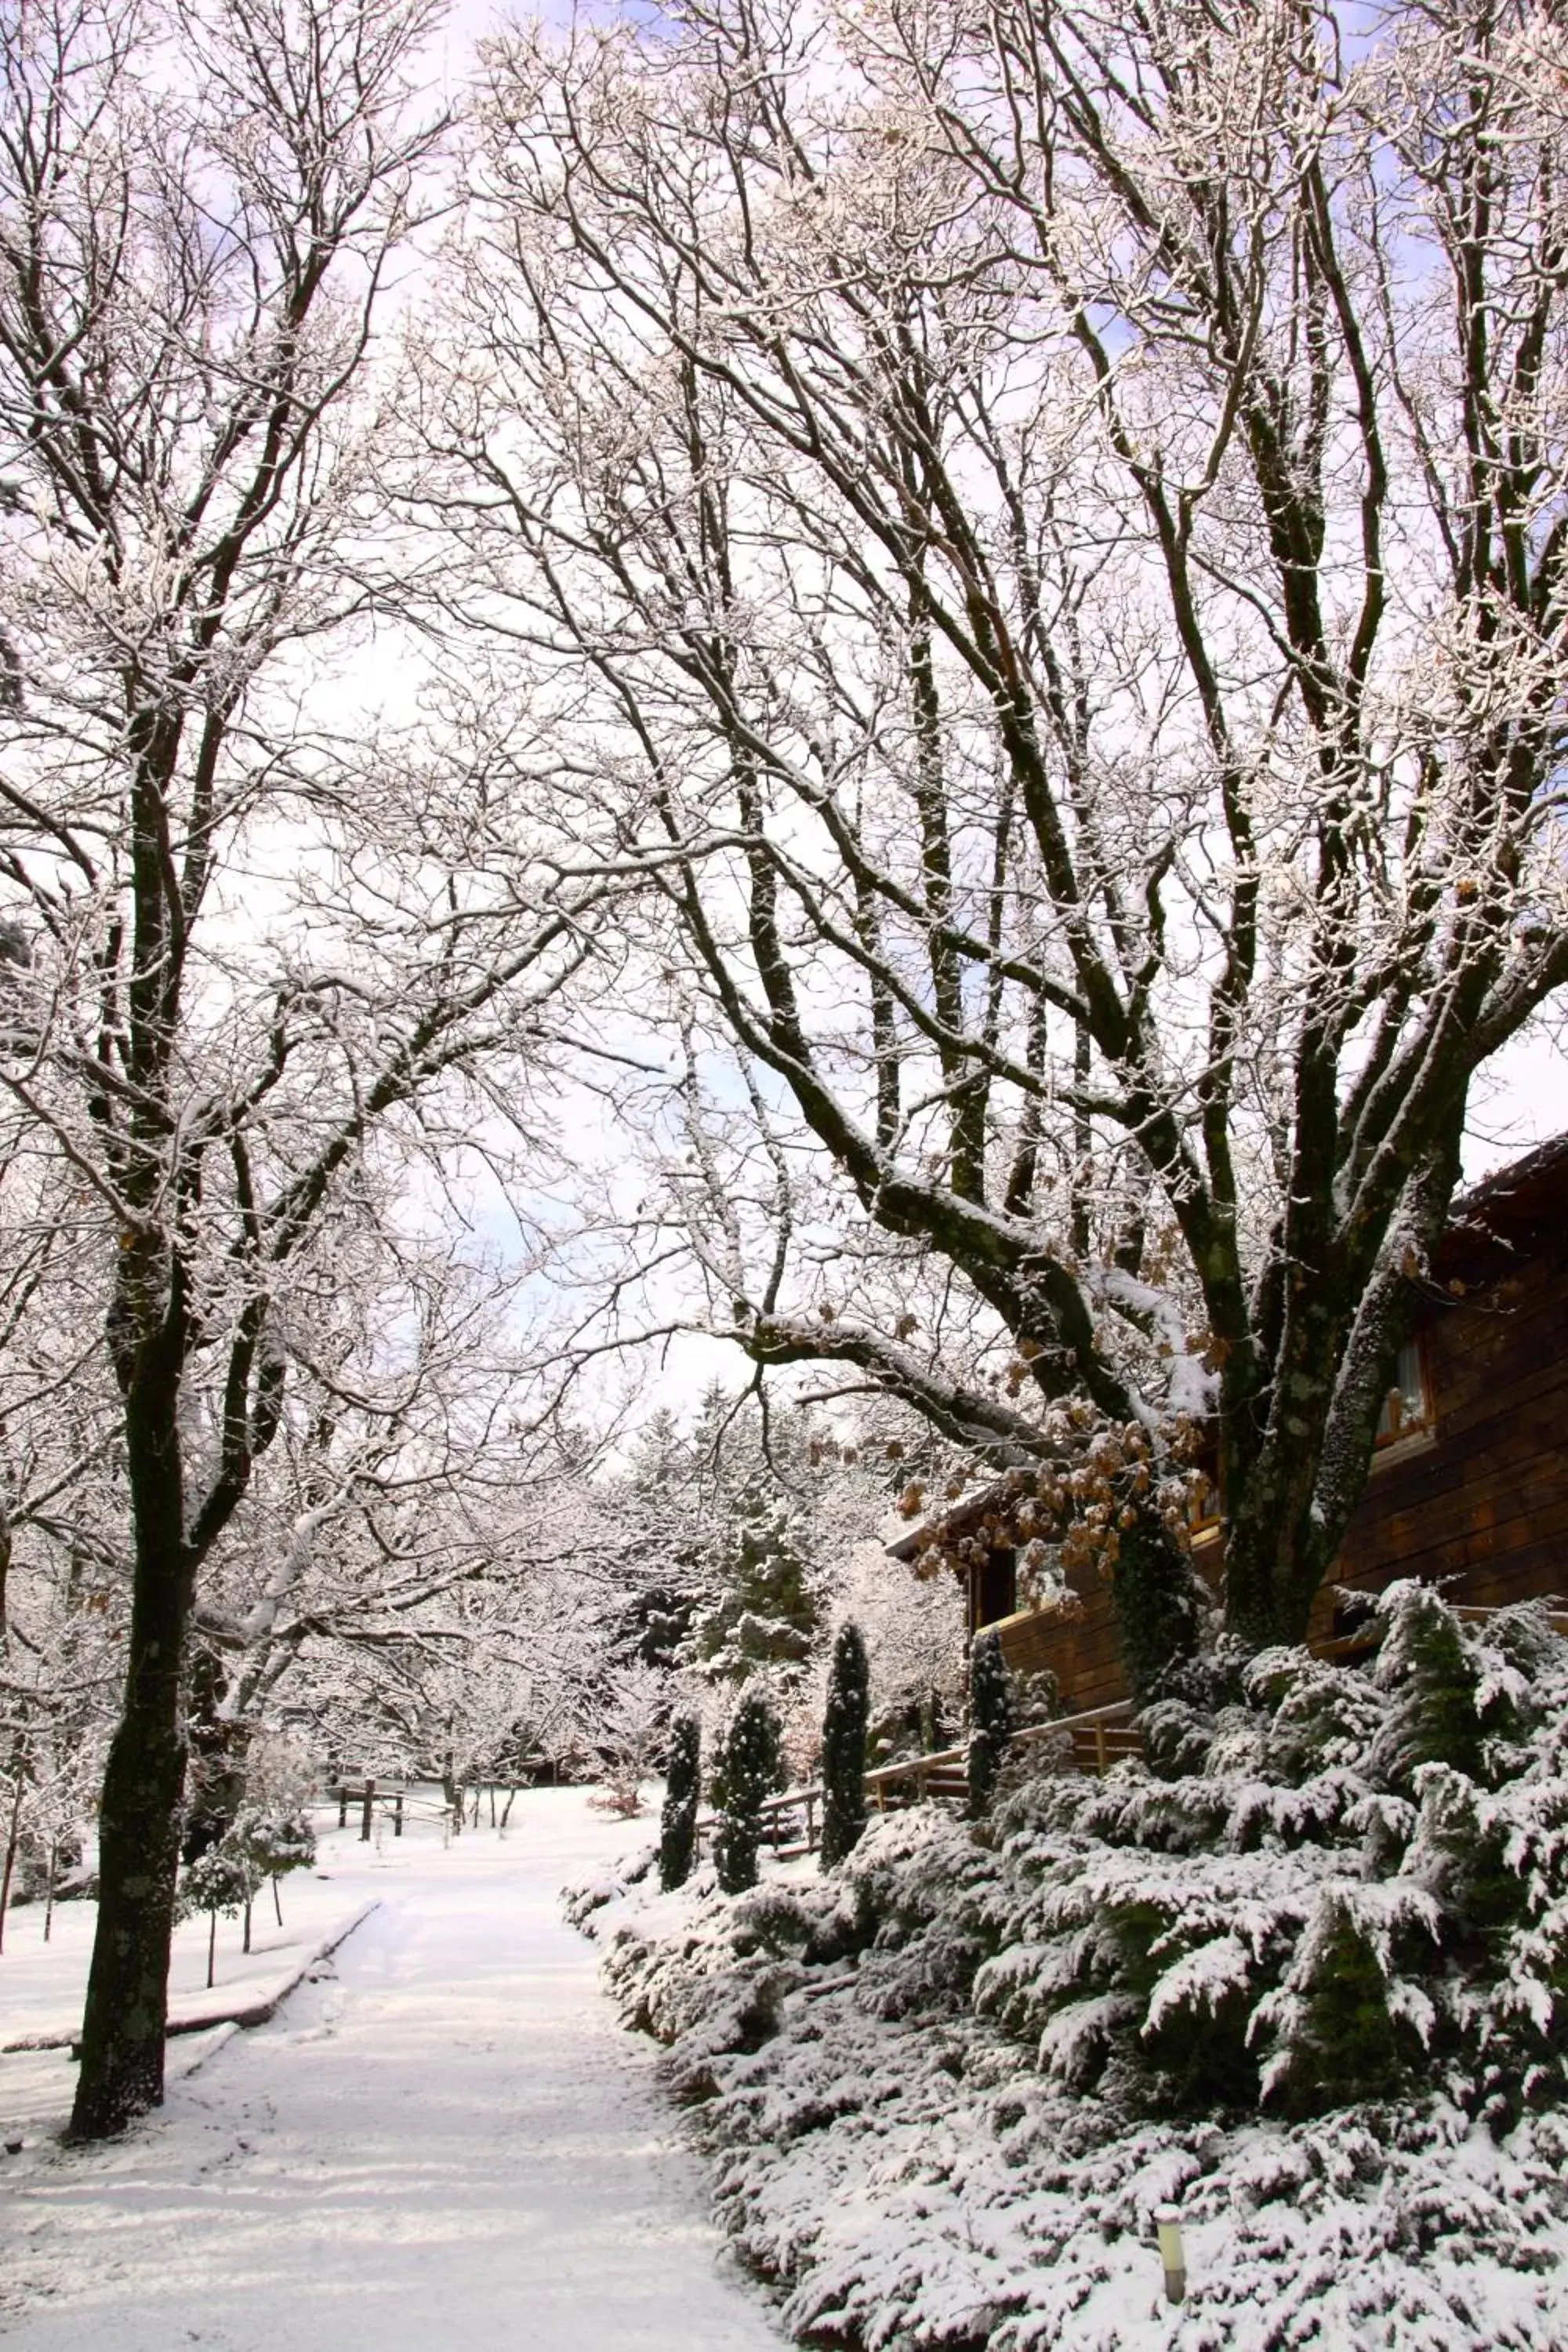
(127, 1992)
(1278, 1548)
(126, 2012)
(217, 1748)
(1291, 1491)
(11, 1843)
(1158, 1600)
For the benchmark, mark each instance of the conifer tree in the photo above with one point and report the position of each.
(749, 1767)
(765, 1613)
(989, 1719)
(843, 1725)
(683, 1788)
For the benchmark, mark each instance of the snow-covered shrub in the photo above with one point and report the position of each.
(1306, 1978)
(1350, 1879)
(629, 1736)
(682, 1792)
(844, 1727)
(579, 1902)
(263, 1842)
(745, 1773)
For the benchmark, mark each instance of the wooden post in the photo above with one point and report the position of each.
(811, 1824)
(397, 1814)
(367, 1812)
(343, 1804)
(1100, 1749)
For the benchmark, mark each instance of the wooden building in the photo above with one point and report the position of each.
(1468, 1483)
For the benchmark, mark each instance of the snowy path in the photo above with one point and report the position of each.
(451, 2144)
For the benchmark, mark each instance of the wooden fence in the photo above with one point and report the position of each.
(365, 1798)
(1090, 1743)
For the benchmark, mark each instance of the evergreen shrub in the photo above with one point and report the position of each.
(1347, 1885)
(682, 1793)
(991, 1719)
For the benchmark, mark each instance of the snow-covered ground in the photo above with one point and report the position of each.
(443, 2140)
(41, 1984)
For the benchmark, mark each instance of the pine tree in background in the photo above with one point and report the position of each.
(765, 1611)
(682, 1789)
(989, 1719)
(843, 1725)
(748, 1770)
(724, 1543)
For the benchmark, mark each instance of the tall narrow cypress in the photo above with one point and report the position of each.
(990, 1718)
(749, 1768)
(682, 1789)
(843, 1725)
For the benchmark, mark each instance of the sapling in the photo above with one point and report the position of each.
(220, 1883)
(269, 1840)
(844, 1727)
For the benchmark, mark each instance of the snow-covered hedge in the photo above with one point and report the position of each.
(1304, 1975)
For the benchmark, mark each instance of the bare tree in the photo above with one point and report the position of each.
(1059, 517)
(415, 1457)
(256, 940)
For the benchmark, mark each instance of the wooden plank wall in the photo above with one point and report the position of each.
(1080, 1651)
(1484, 1503)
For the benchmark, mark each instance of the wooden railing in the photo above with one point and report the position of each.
(1091, 1743)
(1363, 1639)
(1475, 1613)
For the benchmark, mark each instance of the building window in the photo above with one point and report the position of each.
(1408, 1408)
